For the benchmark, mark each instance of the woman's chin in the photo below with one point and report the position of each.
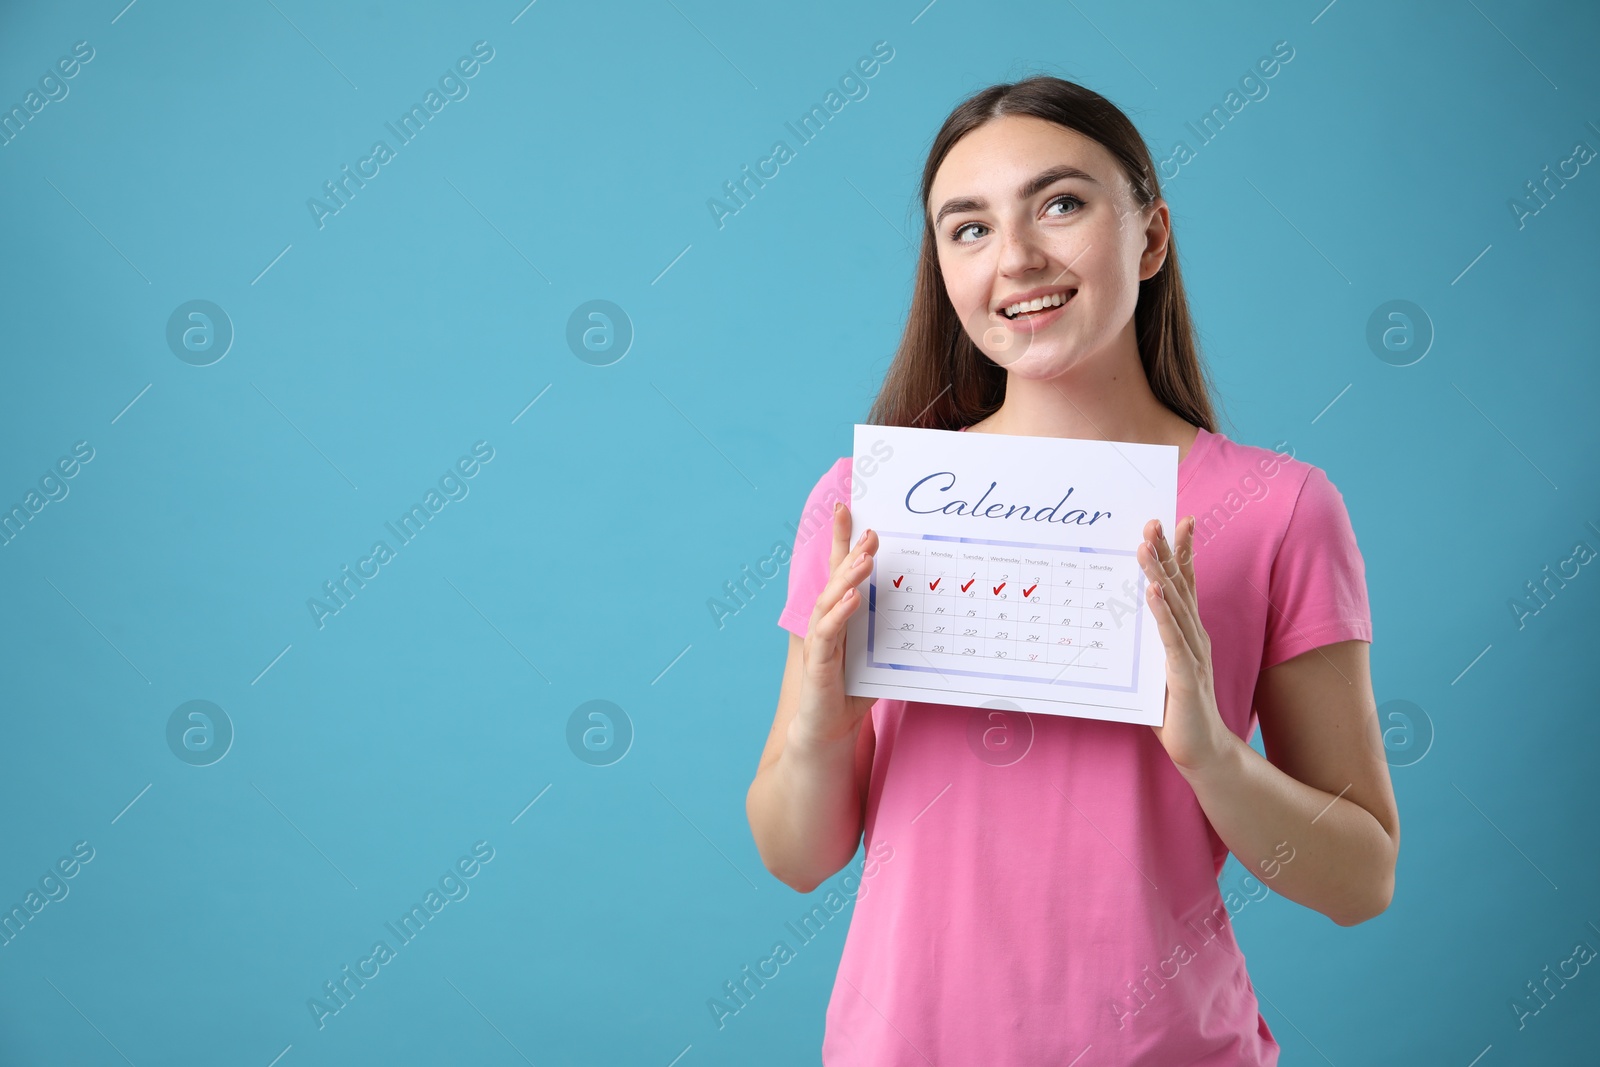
(1041, 361)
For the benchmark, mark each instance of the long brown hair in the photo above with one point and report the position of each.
(939, 378)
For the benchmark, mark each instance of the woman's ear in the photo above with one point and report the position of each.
(1157, 234)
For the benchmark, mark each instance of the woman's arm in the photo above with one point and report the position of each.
(1317, 818)
(1318, 823)
(806, 805)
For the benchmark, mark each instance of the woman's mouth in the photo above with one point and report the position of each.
(1037, 314)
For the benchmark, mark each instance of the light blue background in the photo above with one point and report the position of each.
(433, 309)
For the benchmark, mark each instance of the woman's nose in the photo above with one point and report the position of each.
(1020, 251)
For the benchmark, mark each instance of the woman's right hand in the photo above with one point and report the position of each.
(826, 714)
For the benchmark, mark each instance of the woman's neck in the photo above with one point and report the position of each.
(1109, 399)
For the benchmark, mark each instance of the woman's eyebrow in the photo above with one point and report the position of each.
(1039, 181)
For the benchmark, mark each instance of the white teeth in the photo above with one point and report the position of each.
(1053, 300)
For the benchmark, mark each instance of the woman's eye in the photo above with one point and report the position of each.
(1063, 199)
(955, 234)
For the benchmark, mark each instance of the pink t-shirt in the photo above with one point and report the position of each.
(1052, 886)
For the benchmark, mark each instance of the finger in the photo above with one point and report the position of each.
(1163, 575)
(1184, 559)
(847, 575)
(1180, 597)
(843, 520)
(1186, 553)
(1173, 567)
(1172, 635)
(830, 628)
(841, 535)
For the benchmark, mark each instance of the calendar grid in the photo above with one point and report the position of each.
(1064, 615)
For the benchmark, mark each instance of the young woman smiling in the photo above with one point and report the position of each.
(1062, 907)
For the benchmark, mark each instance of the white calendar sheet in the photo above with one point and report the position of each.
(1006, 573)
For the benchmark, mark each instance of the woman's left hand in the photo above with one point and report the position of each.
(1193, 734)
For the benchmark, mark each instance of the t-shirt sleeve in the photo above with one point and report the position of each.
(813, 543)
(1318, 585)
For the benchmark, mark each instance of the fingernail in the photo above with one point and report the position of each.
(837, 504)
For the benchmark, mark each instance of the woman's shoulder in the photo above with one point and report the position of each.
(1236, 463)
(837, 475)
(1271, 487)
(834, 484)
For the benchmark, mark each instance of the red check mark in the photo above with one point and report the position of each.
(968, 585)
(999, 587)
(897, 581)
(935, 583)
(1029, 591)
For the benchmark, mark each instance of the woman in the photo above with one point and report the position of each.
(1048, 885)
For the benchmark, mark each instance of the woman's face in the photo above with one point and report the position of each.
(1018, 222)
